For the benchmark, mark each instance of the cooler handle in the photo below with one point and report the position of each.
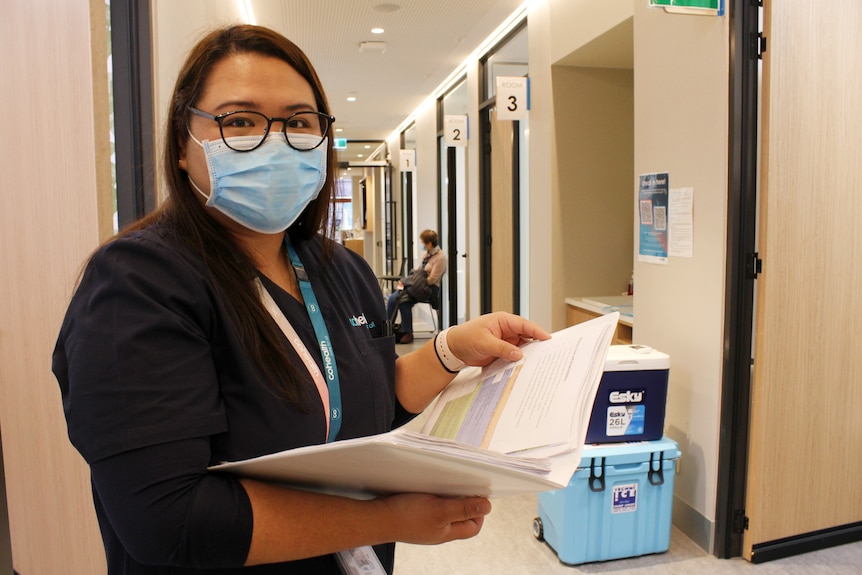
(597, 482)
(656, 476)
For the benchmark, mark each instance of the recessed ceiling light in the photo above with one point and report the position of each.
(339, 130)
(377, 30)
(359, 155)
(351, 98)
(367, 146)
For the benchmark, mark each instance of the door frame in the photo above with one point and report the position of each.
(743, 267)
(450, 192)
(741, 273)
(131, 58)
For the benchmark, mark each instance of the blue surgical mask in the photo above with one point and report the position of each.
(266, 189)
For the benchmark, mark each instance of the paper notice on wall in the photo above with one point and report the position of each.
(680, 226)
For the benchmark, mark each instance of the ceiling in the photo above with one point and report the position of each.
(424, 42)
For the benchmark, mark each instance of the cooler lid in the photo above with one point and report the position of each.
(635, 358)
(634, 452)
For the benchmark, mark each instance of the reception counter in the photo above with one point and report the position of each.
(581, 309)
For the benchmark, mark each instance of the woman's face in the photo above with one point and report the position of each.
(244, 81)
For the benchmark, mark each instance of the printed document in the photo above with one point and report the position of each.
(508, 428)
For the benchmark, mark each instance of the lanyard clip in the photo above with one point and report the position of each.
(301, 274)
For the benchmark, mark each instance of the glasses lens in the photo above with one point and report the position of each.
(306, 130)
(243, 130)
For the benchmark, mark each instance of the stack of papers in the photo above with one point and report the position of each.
(505, 429)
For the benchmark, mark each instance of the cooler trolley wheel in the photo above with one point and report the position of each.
(538, 530)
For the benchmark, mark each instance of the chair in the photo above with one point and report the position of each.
(425, 309)
(421, 307)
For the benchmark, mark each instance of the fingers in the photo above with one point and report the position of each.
(481, 340)
(521, 328)
(430, 520)
(504, 349)
(465, 529)
(474, 507)
(468, 517)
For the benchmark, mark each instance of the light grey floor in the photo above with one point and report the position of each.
(506, 546)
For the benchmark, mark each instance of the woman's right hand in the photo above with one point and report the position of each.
(487, 337)
(429, 519)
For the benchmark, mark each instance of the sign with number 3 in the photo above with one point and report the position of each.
(513, 97)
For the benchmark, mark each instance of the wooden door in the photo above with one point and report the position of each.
(805, 452)
(502, 216)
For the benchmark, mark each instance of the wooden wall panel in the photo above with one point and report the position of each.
(54, 162)
(502, 216)
(806, 434)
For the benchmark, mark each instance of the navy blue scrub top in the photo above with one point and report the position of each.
(147, 355)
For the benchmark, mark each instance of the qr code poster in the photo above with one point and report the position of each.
(652, 200)
(646, 212)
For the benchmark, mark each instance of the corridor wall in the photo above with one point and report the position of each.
(54, 200)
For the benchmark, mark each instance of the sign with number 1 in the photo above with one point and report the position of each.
(408, 160)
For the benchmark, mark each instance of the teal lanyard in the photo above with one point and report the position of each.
(330, 370)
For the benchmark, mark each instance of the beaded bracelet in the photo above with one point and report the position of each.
(447, 359)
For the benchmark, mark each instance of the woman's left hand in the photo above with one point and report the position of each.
(485, 338)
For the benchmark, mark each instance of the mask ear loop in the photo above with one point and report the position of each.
(191, 181)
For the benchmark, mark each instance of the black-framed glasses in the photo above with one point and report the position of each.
(244, 130)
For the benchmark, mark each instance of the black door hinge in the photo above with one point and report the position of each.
(758, 45)
(740, 521)
(753, 266)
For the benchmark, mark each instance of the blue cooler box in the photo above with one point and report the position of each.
(617, 504)
(630, 402)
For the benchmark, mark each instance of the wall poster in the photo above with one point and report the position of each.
(652, 214)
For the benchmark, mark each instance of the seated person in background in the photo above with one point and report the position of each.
(434, 265)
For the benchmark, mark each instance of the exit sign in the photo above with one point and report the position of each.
(705, 7)
(339, 143)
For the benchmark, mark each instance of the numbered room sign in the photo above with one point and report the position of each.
(455, 127)
(408, 160)
(513, 97)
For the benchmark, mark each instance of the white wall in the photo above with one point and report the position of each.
(595, 139)
(576, 23)
(547, 289)
(681, 83)
(425, 178)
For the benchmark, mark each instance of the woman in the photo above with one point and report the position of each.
(434, 265)
(196, 337)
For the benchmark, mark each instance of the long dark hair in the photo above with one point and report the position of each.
(183, 213)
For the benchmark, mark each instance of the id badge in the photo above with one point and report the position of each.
(359, 561)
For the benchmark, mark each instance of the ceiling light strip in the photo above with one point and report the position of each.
(514, 20)
(245, 7)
